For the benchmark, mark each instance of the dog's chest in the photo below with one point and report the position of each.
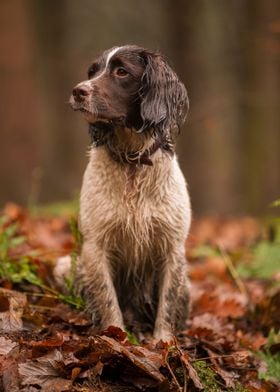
(124, 207)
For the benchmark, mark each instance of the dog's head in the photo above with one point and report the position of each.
(132, 87)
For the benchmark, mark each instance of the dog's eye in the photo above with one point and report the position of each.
(121, 72)
(92, 70)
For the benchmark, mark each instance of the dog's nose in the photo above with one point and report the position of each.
(80, 92)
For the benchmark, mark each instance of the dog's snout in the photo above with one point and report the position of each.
(80, 92)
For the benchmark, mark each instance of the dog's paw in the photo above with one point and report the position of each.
(165, 335)
(62, 270)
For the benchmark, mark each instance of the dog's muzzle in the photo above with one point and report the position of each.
(81, 92)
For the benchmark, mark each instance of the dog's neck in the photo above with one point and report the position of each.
(126, 146)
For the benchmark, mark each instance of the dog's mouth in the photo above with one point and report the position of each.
(79, 108)
(89, 115)
(95, 117)
(82, 110)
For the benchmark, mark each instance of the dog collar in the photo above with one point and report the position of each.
(99, 131)
(137, 158)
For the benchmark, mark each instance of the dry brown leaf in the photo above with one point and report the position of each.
(214, 332)
(9, 374)
(115, 333)
(144, 363)
(191, 371)
(14, 211)
(45, 371)
(252, 341)
(214, 266)
(223, 301)
(230, 233)
(6, 345)
(56, 341)
(12, 304)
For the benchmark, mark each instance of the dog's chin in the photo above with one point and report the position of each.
(97, 118)
(90, 117)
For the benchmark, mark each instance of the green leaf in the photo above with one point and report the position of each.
(265, 261)
(201, 251)
(273, 366)
(275, 203)
(272, 361)
(132, 338)
(14, 242)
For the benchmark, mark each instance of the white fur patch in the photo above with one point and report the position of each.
(62, 270)
(109, 56)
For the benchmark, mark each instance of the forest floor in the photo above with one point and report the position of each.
(231, 341)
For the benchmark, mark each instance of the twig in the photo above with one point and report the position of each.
(219, 356)
(183, 366)
(172, 373)
(185, 379)
(229, 264)
(40, 307)
(41, 294)
(49, 289)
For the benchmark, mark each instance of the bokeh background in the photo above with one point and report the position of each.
(227, 52)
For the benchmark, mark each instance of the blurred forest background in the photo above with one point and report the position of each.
(227, 52)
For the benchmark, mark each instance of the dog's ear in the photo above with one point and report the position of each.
(164, 99)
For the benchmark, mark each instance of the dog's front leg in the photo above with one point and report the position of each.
(173, 305)
(94, 277)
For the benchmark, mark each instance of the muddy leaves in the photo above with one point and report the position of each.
(59, 363)
(231, 341)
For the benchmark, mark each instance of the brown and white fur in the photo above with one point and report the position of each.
(134, 205)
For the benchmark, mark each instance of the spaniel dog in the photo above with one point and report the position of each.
(134, 205)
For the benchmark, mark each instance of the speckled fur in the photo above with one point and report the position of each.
(134, 237)
(134, 212)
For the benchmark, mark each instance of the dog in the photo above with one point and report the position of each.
(134, 205)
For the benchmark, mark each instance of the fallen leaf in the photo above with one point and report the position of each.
(14, 211)
(222, 300)
(9, 374)
(56, 341)
(63, 312)
(143, 363)
(115, 332)
(214, 266)
(252, 341)
(191, 371)
(45, 371)
(12, 306)
(6, 345)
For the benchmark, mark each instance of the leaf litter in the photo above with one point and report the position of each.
(48, 345)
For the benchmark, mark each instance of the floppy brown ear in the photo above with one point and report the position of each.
(165, 103)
